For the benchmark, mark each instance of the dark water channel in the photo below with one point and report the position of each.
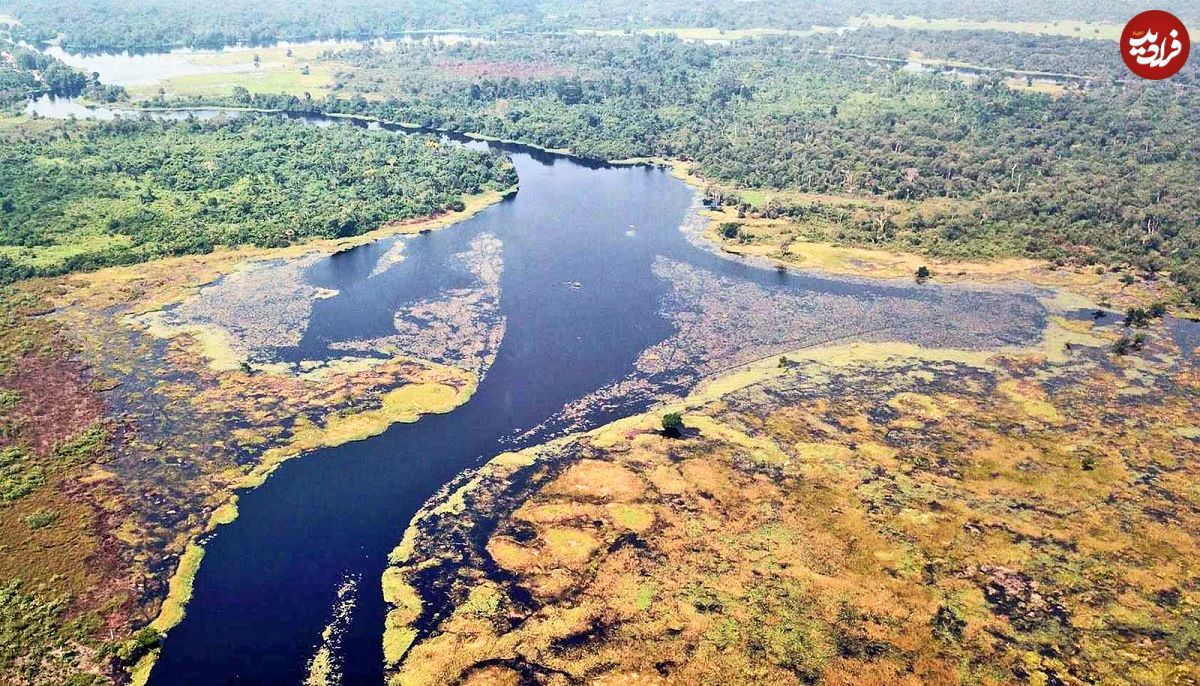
(582, 300)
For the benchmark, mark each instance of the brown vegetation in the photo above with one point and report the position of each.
(471, 70)
(118, 446)
(1006, 520)
(60, 560)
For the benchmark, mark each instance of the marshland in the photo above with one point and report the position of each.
(616, 349)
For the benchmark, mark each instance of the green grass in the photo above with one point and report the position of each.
(90, 443)
(288, 80)
(180, 591)
(645, 596)
(19, 475)
(45, 256)
(277, 72)
(30, 623)
(41, 519)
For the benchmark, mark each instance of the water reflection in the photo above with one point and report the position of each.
(135, 68)
(53, 107)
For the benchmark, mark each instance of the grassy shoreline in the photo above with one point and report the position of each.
(786, 249)
(356, 428)
(144, 545)
(413, 657)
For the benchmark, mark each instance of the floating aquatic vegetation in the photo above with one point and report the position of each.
(136, 439)
(325, 666)
(164, 344)
(188, 432)
(251, 312)
(462, 327)
(391, 258)
(850, 517)
(727, 322)
(723, 323)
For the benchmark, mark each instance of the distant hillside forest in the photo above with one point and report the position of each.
(121, 24)
(1103, 175)
(992, 49)
(81, 196)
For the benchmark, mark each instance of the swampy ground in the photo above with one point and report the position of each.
(849, 513)
(984, 475)
(131, 429)
(860, 514)
(1002, 499)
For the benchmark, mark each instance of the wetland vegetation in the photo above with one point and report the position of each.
(896, 389)
(857, 516)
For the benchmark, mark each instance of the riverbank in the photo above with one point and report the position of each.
(164, 432)
(793, 244)
(434, 390)
(807, 245)
(797, 480)
(845, 512)
(790, 245)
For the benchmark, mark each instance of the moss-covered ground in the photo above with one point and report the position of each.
(851, 516)
(120, 447)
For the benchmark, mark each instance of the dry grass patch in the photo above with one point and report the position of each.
(1029, 526)
(598, 481)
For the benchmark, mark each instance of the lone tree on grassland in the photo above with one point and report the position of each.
(923, 273)
(672, 423)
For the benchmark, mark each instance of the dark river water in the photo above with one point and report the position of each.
(582, 299)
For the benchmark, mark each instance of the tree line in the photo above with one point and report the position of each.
(1082, 55)
(82, 195)
(27, 73)
(147, 24)
(1104, 174)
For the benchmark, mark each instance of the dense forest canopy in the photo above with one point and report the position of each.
(118, 24)
(81, 195)
(1080, 56)
(1103, 172)
(1103, 175)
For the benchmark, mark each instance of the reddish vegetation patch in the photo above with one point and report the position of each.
(118, 596)
(499, 70)
(60, 538)
(56, 402)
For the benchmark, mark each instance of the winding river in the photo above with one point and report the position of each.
(594, 265)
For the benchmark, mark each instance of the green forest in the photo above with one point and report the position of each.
(121, 24)
(1100, 175)
(1102, 172)
(1081, 56)
(82, 195)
